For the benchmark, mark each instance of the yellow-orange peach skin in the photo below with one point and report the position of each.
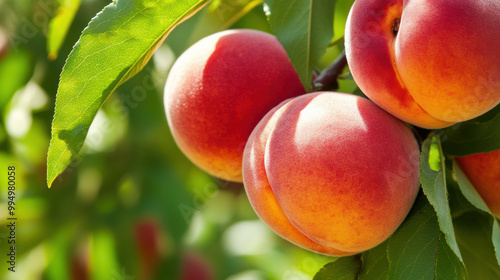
(483, 171)
(219, 89)
(331, 172)
(431, 63)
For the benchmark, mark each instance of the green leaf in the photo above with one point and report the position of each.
(473, 196)
(480, 135)
(230, 11)
(105, 264)
(458, 203)
(218, 16)
(468, 189)
(372, 265)
(375, 263)
(60, 248)
(304, 28)
(474, 234)
(116, 45)
(15, 72)
(434, 187)
(345, 268)
(342, 9)
(418, 250)
(59, 25)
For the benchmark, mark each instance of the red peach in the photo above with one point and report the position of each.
(195, 267)
(150, 246)
(429, 63)
(331, 172)
(483, 171)
(219, 89)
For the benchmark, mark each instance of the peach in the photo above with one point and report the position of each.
(195, 267)
(331, 172)
(147, 234)
(219, 89)
(151, 246)
(483, 171)
(429, 63)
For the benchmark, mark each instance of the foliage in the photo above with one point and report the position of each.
(108, 62)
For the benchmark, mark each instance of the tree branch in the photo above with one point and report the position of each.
(327, 79)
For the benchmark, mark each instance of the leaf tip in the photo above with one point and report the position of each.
(50, 180)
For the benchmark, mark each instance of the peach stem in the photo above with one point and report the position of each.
(327, 80)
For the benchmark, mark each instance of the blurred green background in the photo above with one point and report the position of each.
(131, 206)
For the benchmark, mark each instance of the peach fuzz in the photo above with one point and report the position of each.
(429, 63)
(483, 171)
(219, 89)
(331, 172)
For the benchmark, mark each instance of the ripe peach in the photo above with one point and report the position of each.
(483, 171)
(331, 172)
(429, 63)
(195, 267)
(219, 89)
(150, 246)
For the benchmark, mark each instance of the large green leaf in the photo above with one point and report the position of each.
(116, 45)
(305, 29)
(473, 196)
(418, 249)
(59, 25)
(474, 237)
(476, 136)
(372, 265)
(375, 263)
(434, 187)
(345, 268)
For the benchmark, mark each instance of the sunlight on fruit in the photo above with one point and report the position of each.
(248, 238)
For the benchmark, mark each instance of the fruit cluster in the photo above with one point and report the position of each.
(333, 172)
